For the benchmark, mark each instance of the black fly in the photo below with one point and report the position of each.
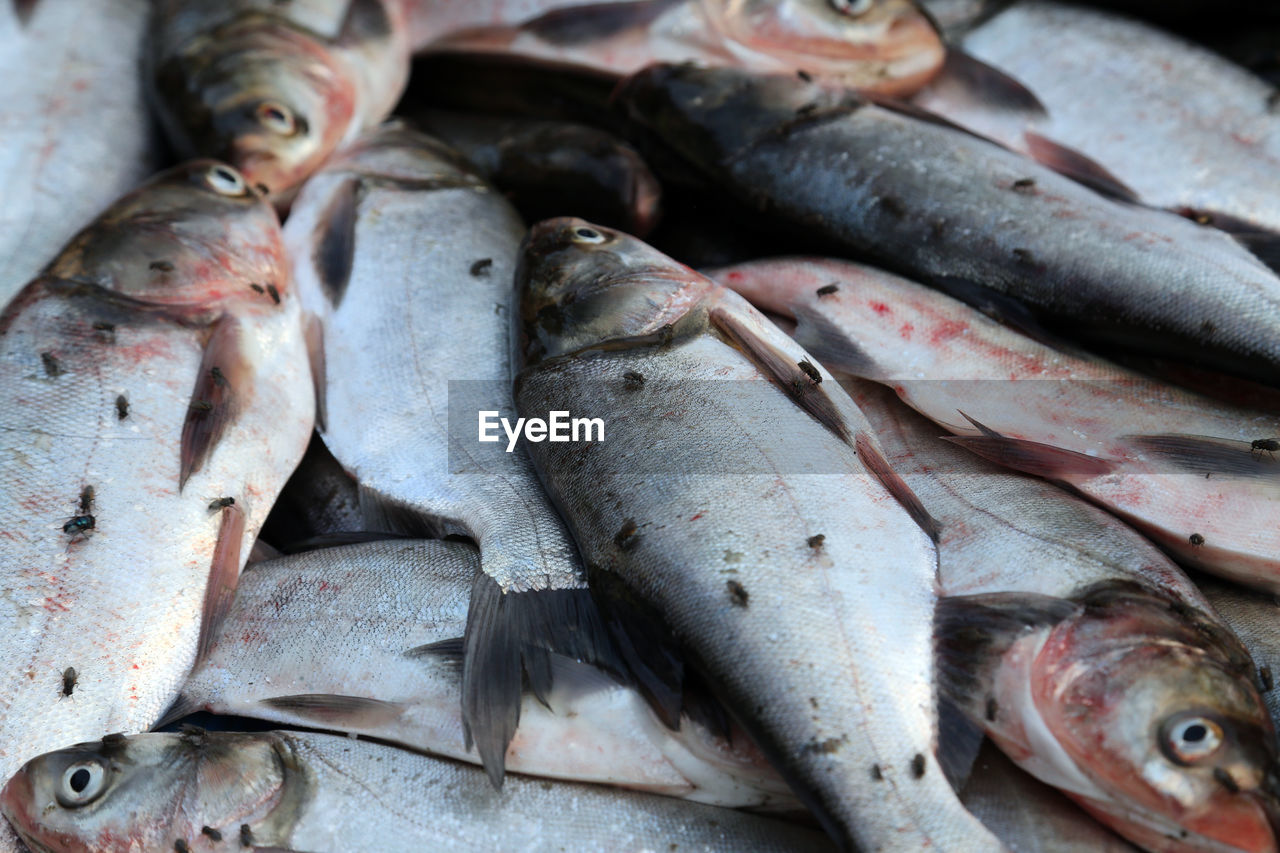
(69, 676)
(1265, 445)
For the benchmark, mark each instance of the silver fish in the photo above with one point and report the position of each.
(726, 511)
(968, 216)
(76, 129)
(423, 342)
(1190, 472)
(153, 400)
(274, 88)
(216, 791)
(1179, 125)
(1053, 606)
(367, 639)
(1255, 617)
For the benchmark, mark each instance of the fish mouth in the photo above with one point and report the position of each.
(1249, 824)
(15, 804)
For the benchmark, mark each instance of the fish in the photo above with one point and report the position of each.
(1197, 135)
(114, 563)
(1029, 816)
(367, 639)
(736, 514)
(969, 217)
(320, 502)
(401, 416)
(548, 167)
(77, 131)
(1052, 606)
(1179, 466)
(883, 46)
(431, 20)
(274, 88)
(297, 791)
(1252, 616)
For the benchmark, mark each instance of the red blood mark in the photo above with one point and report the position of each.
(906, 330)
(879, 307)
(135, 666)
(324, 585)
(696, 517)
(733, 276)
(946, 330)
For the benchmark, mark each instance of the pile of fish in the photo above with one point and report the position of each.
(716, 425)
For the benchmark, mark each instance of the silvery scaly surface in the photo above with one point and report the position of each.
(155, 369)
(731, 516)
(75, 125)
(1178, 124)
(274, 88)
(1054, 606)
(968, 216)
(405, 255)
(885, 46)
(1179, 466)
(313, 792)
(367, 638)
(1255, 617)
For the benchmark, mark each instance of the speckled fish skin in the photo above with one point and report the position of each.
(1170, 462)
(387, 410)
(312, 792)
(1123, 632)
(1255, 617)
(1178, 124)
(310, 631)
(76, 131)
(1029, 816)
(965, 214)
(788, 629)
(884, 46)
(274, 88)
(98, 361)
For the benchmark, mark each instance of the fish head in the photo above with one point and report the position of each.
(145, 791)
(1156, 703)
(886, 46)
(271, 100)
(192, 235)
(584, 285)
(709, 114)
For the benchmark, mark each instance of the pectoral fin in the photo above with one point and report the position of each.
(224, 575)
(220, 388)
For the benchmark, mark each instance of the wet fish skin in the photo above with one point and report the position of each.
(321, 792)
(367, 639)
(1253, 617)
(546, 167)
(137, 308)
(389, 409)
(888, 46)
(748, 569)
(1199, 134)
(1168, 461)
(274, 89)
(968, 216)
(77, 134)
(1074, 609)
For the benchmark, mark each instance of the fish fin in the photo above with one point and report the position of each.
(366, 20)
(334, 540)
(182, 706)
(383, 513)
(919, 113)
(334, 244)
(959, 740)
(573, 679)
(985, 430)
(826, 342)
(1072, 164)
(313, 334)
(452, 650)
(652, 657)
(224, 574)
(577, 25)
(1263, 245)
(1202, 454)
(332, 709)
(703, 708)
(24, 10)
(989, 85)
(510, 634)
(889, 478)
(1032, 457)
(971, 632)
(215, 400)
(1233, 225)
(784, 370)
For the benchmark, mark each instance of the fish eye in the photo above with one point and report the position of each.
(586, 235)
(276, 118)
(852, 8)
(1190, 739)
(225, 180)
(82, 783)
